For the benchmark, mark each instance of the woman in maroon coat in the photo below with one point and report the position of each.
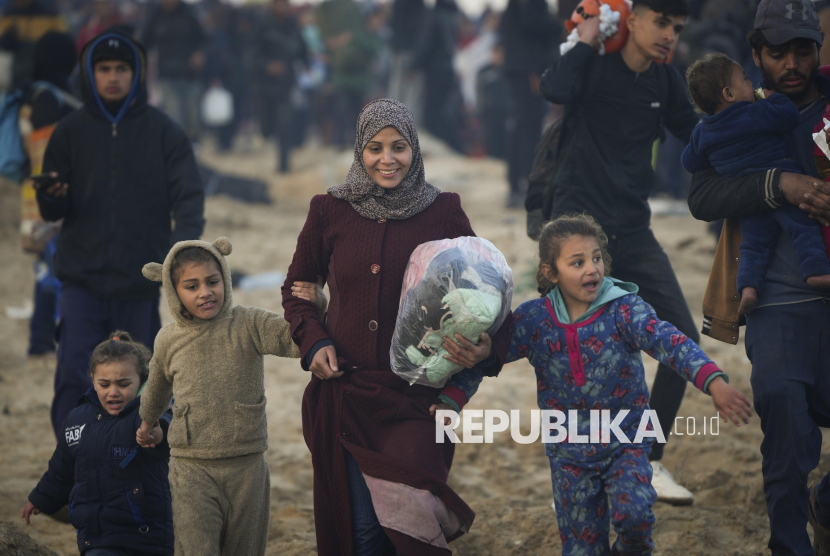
(379, 476)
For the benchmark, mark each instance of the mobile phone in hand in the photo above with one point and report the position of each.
(44, 180)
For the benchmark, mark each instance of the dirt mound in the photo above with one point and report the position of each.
(14, 542)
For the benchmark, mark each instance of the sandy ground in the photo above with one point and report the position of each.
(507, 484)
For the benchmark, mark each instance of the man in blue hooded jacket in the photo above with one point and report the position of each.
(123, 168)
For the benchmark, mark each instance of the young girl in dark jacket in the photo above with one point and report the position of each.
(118, 493)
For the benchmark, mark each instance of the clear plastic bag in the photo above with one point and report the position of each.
(460, 285)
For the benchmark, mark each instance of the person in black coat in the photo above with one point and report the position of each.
(279, 48)
(434, 55)
(122, 169)
(530, 36)
(175, 32)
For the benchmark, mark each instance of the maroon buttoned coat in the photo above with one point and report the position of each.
(382, 420)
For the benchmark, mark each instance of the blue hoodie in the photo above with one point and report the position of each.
(745, 138)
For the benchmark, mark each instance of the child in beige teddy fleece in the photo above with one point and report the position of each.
(211, 361)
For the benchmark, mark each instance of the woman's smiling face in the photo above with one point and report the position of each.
(387, 157)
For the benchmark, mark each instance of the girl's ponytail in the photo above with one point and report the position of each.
(120, 346)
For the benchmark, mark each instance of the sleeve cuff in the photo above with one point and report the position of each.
(450, 402)
(704, 374)
(772, 189)
(309, 356)
(712, 377)
(307, 333)
(44, 504)
(454, 396)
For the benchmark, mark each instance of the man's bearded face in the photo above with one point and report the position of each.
(790, 68)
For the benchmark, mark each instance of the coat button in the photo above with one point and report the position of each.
(135, 491)
(375, 268)
(86, 543)
(382, 220)
(373, 325)
(99, 416)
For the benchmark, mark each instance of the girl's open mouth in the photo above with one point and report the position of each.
(387, 173)
(591, 286)
(207, 305)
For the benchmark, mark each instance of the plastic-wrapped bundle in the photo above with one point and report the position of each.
(613, 31)
(451, 286)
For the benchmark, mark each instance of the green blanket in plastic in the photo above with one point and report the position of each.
(473, 312)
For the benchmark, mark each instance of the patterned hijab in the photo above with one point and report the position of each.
(370, 200)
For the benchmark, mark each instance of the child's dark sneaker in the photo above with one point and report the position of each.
(749, 298)
(821, 534)
(819, 281)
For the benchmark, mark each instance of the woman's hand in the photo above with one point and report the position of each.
(467, 354)
(28, 510)
(311, 291)
(324, 364)
(433, 407)
(729, 402)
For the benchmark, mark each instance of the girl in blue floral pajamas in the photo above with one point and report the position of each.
(584, 338)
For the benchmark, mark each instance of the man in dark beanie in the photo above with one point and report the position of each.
(788, 334)
(122, 168)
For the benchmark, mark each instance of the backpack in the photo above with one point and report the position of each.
(554, 147)
(13, 160)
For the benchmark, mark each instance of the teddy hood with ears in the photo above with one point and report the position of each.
(161, 273)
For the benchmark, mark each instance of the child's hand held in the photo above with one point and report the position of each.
(313, 292)
(28, 510)
(156, 434)
(143, 435)
(730, 402)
